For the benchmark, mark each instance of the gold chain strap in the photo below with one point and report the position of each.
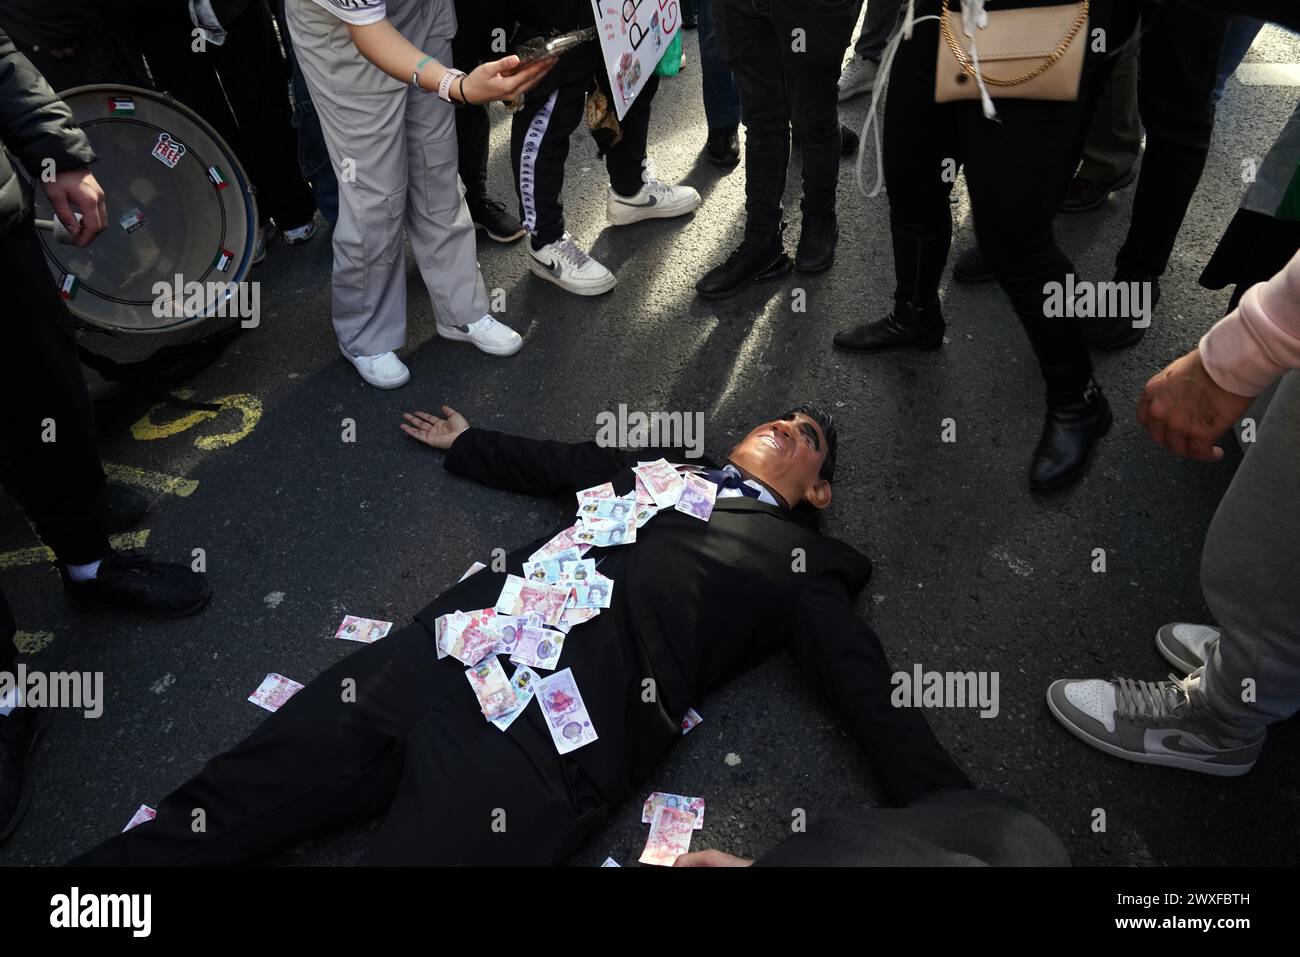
(968, 68)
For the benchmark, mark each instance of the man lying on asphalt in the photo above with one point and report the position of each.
(716, 570)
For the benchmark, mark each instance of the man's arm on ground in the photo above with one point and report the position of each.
(843, 658)
(541, 466)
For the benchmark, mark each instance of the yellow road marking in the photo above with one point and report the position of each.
(21, 557)
(30, 642)
(248, 406)
(154, 481)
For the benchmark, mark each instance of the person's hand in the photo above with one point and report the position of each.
(1185, 410)
(502, 79)
(431, 430)
(710, 859)
(78, 188)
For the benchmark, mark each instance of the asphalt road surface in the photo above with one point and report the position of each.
(972, 571)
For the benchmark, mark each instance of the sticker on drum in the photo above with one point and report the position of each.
(183, 202)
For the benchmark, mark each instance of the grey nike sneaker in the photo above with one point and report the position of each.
(1153, 722)
(654, 200)
(1186, 646)
(567, 264)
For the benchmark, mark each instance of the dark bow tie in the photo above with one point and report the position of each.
(724, 478)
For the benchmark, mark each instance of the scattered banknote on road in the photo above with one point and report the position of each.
(274, 691)
(362, 629)
(143, 813)
(691, 720)
(473, 569)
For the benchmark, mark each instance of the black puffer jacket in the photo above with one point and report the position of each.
(34, 125)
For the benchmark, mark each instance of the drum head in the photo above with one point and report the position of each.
(179, 204)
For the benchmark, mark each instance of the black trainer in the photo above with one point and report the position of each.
(1070, 433)
(723, 146)
(906, 325)
(19, 732)
(817, 240)
(1084, 195)
(753, 261)
(971, 268)
(120, 507)
(130, 581)
(1109, 333)
(493, 218)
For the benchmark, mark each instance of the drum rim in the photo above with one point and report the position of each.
(241, 180)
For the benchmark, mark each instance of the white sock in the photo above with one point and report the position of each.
(83, 573)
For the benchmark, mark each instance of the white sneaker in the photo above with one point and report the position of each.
(654, 200)
(859, 76)
(1186, 646)
(384, 371)
(567, 265)
(300, 235)
(494, 338)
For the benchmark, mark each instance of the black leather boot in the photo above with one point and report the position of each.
(755, 260)
(817, 240)
(1070, 433)
(906, 325)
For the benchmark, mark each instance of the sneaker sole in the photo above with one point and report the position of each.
(497, 238)
(1160, 760)
(783, 267)
(455, 335)
(366, 379)
(593, 290)
(1170, 655)
(29, 781)
(638, 214)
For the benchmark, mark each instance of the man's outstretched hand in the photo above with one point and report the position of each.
(1185, 410)
(710, 859)
(431, 430)
(77, 189)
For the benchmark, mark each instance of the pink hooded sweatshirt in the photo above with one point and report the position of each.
(1258, 342)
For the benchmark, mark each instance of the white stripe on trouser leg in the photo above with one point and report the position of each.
(528, 159)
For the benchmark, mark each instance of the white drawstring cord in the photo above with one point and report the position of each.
(975, 17)
(882, 79)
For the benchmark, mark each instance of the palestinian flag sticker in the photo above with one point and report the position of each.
(121, 106)
(224, 259)
(68, 287)
(218, 178)
(132, 219)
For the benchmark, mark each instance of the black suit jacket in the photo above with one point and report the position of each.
(696, 604)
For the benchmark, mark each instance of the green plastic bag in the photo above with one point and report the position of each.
(671, 62)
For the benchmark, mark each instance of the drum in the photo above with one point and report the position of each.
(181, 217)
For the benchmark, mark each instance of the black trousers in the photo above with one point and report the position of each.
(786, 59)
(1017, 170)
(8, 650)
(48, 427)
(539, 146)
(475, 22)
(1178, 65)
(249, 72)
(411, 746)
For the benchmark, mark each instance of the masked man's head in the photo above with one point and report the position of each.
(793, 455)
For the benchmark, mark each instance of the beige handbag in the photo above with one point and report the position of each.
(1032, 53)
